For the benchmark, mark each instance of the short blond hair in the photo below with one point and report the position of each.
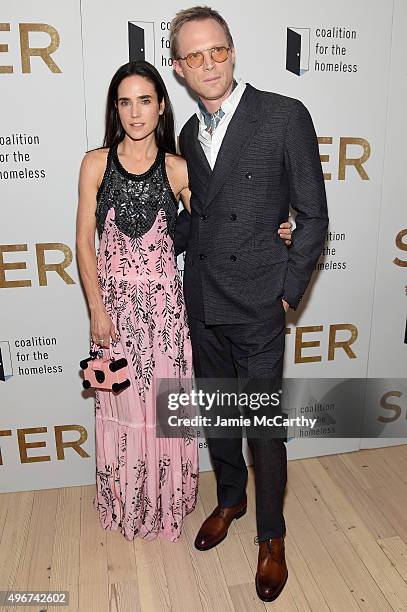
(195, 13)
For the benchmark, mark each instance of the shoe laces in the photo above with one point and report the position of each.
(269, 543)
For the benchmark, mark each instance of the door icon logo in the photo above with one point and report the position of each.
(141, 41)
(6, 366)
(298, 50)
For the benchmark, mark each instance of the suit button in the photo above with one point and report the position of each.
(249, 175)
(233, 217)
(202, 256)
(204, 217)
(233, 257)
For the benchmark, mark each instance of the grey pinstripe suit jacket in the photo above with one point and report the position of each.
(236, 265)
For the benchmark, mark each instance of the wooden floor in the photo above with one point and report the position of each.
(346, 546)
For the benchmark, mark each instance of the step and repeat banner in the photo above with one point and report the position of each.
(344, 61)
(388, 343)
(46, 426)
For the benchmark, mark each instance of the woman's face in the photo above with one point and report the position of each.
(138, 107)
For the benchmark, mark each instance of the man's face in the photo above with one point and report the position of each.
(212, 80)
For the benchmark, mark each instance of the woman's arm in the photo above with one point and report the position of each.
(186, 198)
(177, 172)
(178, 177)
(92, 168)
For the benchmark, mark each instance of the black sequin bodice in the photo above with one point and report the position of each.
(136, 198)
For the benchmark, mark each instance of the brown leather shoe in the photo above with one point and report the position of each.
(215, 528)
(272, 570)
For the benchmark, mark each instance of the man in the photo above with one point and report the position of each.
(250, 155)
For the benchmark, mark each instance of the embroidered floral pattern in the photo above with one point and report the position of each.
(145, 485)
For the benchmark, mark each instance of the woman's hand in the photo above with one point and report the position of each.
(285, 232)
(102, 328)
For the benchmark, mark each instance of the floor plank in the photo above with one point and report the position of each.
(244, 598)
(124, 596)
(328, 578)
(364, 589)
(389, 581)
(396, 550)
(376, 521)
(14, 538)
(212, 585)
(66, 552)
(346, 546)
(152, 579)
(93, 548)
(181, 579)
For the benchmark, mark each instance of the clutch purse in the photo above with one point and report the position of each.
(105, 372)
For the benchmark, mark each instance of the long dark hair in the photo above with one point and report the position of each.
(164, 132)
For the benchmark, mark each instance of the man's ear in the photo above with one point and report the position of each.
(233, 55)
(178, 68)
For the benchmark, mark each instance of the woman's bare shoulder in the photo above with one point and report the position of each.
(175, 162)
(94, 164)
(177, 171)
(96, 157)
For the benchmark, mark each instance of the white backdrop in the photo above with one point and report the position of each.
(388, 347)
(356, 112)
(41, 211)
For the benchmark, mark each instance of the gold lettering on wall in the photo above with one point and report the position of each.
(16, 265)
(344, 344)
(60, 444)
(43, 52)
(402, 246)
(395, 408)
(4, 432)
(325, 158)
(357, 162)
(5, 27)
(300, 344)
(75, 444)
(43, 267)
(24, 445)
(333, 343)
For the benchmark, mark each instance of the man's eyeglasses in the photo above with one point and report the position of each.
(196, 59)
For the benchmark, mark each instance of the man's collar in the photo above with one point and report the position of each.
(227, 105)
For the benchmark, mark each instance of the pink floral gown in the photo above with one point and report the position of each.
(145, 485)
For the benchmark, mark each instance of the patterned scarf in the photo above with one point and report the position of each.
(212, 119)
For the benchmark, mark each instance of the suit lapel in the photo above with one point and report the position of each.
(238, 134)
(196, 156)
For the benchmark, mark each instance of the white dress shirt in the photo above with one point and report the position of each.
(211, 144)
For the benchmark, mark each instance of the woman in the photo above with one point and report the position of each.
(129, 192)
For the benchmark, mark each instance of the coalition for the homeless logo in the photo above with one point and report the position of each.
(141, 41)
(322, 49)
(6, 366)
(298, 50)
